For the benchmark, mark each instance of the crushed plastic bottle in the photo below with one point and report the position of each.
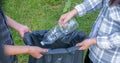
(58, 32)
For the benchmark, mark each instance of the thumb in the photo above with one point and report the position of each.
(28, 30)
(22, 34)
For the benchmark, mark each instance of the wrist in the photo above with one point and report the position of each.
(74, 12)
(28, 49)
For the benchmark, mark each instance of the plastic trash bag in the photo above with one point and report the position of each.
(58, 31)
(61, 51)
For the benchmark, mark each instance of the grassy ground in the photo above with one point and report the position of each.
(41, 14)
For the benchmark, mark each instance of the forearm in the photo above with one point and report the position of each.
(13, 50)
(74, 12)
(13, 24)
(88, 6)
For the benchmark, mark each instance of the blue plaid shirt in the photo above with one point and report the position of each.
(106, 29)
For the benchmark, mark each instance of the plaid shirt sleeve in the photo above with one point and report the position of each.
(113, 39)
(88, 6)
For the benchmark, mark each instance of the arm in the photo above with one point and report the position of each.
(81, 9)
(110, 40)
(103, 42)
(32, 50)
(21, 29)
(88, 6)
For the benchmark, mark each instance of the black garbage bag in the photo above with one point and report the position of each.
(62, 50)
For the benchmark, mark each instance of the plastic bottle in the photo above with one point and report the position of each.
(58, 32)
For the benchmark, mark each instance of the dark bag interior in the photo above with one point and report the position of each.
(63, 50)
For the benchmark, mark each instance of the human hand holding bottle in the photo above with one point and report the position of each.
(59, 31)
(66, 17)
(62, 29)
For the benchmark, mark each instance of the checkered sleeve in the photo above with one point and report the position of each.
(109, 42)
(88, 6)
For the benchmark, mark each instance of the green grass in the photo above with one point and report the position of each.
(41, 15)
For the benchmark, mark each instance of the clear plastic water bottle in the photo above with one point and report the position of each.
(58, 32)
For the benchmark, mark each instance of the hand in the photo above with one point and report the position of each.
(36, 51)
(86, 43)
(17, 26)
(66, 17)
(22, 30)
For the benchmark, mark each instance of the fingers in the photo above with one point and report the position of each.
(61, 20)
(26, 29)
(64, 19)
(80, 45)
(23, 30)
(21, 34)
(38, 56)
(43, 50)
(36, 51)
(82, 48)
